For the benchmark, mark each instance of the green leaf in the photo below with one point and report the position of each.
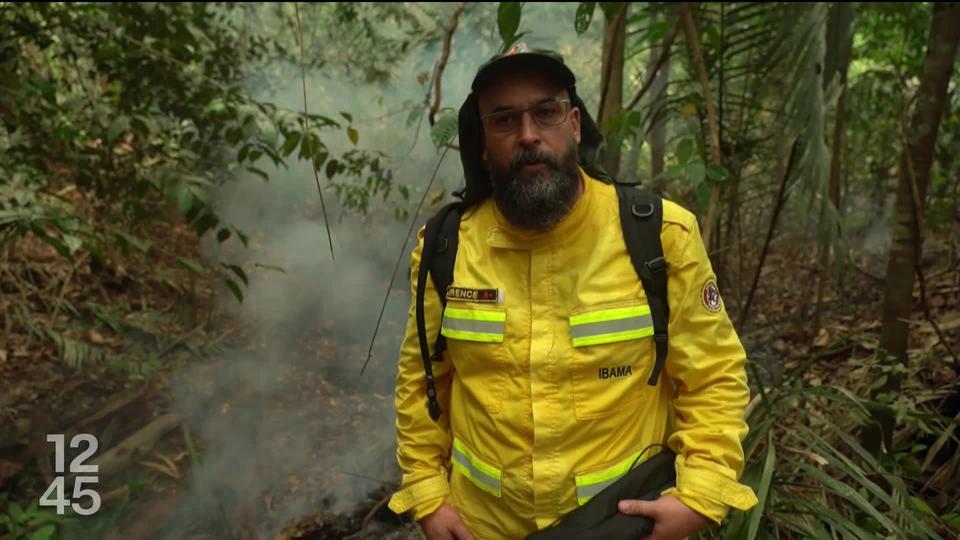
(235, 289)
(837, 487)
(15, 510)
(138, 243)
(214, 106)
(238, 271)
(205, 222)
(47, 90)
(584, 16)
(270, 267)
(243, 238)
(259, 173)
(657, 31)
(953, 520)
(332, 167)
(268, 133)
(190, 264)
(353, 135)
(415, 114)
(291, 142)
(223, 235)
(319, 159)
(118, 125)
(45, 533)
(674, 171)
(922, 505)
(717, 172)
(182, 198)
(72, 242)
(696, 172)
(508, 19)
(765, 479)
(347, 115)
(509, 43)
(684, 151)
(444, 129)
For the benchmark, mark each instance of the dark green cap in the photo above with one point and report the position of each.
(519, 58)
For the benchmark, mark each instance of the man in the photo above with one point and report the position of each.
(543, 383)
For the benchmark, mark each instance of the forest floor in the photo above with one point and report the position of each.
(100, 348)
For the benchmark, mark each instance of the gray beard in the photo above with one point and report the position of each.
(538, 201)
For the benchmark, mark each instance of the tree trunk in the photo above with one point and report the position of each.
(840, 43)
(696, 57)
(658, 132)
(913, 178)
(611, 81)
(834, 189)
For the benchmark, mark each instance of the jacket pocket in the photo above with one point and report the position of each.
(592, 481)
(482, 472)
(612, 352)
(475, 338)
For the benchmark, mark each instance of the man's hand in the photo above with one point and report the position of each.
(444, 524)
(672, 519)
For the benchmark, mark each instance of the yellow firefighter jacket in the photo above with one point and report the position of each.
(543, 385)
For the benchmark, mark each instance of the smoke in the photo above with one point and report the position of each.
(287, 424)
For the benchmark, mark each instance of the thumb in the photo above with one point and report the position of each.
(639, 508)
(460, 531)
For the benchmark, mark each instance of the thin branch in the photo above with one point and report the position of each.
(664, 55)
(779, 203)
(442, 63)
(366, 519)
(306, 129)
(403, 249)
(918, 234)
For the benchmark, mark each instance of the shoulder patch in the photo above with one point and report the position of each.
(710, 296)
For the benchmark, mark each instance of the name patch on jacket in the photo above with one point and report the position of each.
(482, 296)
(615, 372)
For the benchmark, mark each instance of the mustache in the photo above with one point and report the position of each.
(529, 156)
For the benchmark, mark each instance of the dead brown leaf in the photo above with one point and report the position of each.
(823, 338)
(95, 337)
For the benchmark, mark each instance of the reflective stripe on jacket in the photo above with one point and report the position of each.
(544, 390)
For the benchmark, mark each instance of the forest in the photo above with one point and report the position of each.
(207, 209)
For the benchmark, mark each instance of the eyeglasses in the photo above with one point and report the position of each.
(546, 114)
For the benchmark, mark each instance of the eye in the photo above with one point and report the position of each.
(549, 113)
(502, 120)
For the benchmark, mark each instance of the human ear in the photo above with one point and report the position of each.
(575, 123)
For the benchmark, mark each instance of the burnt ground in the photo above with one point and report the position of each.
(207, 428)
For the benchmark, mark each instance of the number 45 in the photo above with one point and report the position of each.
(54, 496)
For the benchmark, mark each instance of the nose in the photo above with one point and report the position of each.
(529, 132)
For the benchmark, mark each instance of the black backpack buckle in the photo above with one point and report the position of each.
(656, 265)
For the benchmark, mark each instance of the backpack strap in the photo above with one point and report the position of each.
(439, 253)
(641, 217)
